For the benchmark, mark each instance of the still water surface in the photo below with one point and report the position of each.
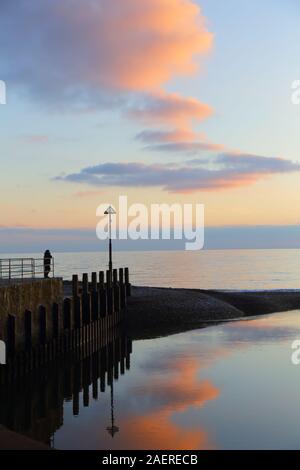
(230, 386)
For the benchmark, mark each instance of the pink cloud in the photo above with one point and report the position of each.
(90, 54)
(171, 109)
(97, 54)
(140, 45)
(172, 136)
(130, 45)
(222, 171)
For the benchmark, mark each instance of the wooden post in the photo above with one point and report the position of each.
(55, 321)
(102, 295)
(28, 329)
(86, 308)
(67, 314)
(122, 289)
(85, 283)
(76, 310)
(94, 281)
(103, 302)
(127, 283)
(67, 306)
(77, 316)
(42, 325)
(11, 335)
(94, 298)
(95, 305)
(101, 279)
(116, 288)
(110, 303)
(75, 285)
(86, 301)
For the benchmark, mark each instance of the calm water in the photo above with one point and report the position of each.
(228, 386)
(228, 269)
(231, 386)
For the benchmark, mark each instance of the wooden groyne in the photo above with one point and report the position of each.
(82, 321)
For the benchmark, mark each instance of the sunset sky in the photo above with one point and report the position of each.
(162, 100)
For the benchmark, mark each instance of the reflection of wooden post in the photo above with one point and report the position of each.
(68, 389)
(86, 376)
(95, 389)
(127, 283)
(103, 368)
(95, 375)
(128, 351)
(116, 358)
(123, 354)
(102, 381)
(77, 380)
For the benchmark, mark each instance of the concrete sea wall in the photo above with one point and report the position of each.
(17, 297)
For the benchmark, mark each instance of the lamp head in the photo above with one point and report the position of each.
(110, 211)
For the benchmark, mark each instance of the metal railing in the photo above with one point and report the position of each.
(24, 268)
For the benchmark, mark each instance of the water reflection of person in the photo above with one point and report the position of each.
(47, 263)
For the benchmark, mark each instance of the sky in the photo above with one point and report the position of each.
(165, 101)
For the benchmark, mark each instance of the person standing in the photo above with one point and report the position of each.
(47, 263)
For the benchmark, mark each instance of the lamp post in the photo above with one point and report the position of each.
(110, 211)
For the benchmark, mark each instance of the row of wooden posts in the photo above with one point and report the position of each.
(94, 308)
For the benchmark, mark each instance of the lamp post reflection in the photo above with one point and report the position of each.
(112, 430)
